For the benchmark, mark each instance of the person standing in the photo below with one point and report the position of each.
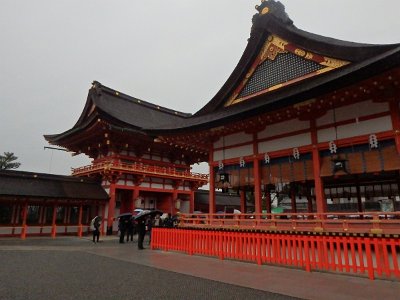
(149, 226)
(157, 221)
(130, 230)
(96, 229)
(168, 221)
(122, 225)
(141, 228)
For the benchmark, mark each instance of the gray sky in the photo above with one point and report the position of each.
(175, 53)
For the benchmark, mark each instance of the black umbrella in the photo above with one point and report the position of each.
(127, 214)
(146, 213)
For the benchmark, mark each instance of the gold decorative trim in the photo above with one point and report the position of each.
(273, 46)
(265, 10)
(333, 63)
(300, 52)
(376, 231)
(304, 103)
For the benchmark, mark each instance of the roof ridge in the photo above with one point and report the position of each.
(46, 176)
(100, 87)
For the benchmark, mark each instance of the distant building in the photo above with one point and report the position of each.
(46, 204)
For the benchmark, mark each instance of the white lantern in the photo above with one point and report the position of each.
(296, 153)
(332, 147)
(266, 158)
(373, 141)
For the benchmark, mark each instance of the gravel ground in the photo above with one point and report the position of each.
(58, 274)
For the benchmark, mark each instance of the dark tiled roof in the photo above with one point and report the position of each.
(21, 184)
(215, 114)
(132, 111)
(126, 112)
(365, 61)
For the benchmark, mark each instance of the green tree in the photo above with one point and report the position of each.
(8, 161)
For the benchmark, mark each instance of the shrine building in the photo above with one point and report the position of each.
(136, 171)
(302, 116)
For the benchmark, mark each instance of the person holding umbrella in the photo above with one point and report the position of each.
(140, 219)
(123, 223)
(141, 228)
(96, 228)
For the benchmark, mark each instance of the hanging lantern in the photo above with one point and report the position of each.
(296, 153)
(224, 177)
(224, 182)
(266, 158)
(340, 164)
(332, 147)
(242, 162)
(220, 165)
(373, 141)
(178, 204)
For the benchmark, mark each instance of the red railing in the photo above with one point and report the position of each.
(366, 256)
(139, 168)
(371, 222)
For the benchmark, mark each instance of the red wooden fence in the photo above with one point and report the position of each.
(370, 256)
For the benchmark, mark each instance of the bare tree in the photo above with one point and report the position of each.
(8, 161)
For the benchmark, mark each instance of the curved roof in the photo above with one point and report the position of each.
(362, 61)
(121, 110)
(325, 64)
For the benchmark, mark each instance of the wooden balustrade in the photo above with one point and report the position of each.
(358, 223)
(138, 168)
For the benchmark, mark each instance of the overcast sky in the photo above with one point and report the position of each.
(175, 53)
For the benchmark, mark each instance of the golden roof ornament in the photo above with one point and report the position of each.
(272, 7)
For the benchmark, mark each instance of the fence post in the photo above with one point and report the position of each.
(190, 231)
(258, 251)
(395, 256)
(307, 254)
(220, 245)
(370, 264)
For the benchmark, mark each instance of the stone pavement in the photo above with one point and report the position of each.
(216, 279)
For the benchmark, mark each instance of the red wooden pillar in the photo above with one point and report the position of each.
(257, 179)
(80, 220)
(191, 205)
(53, 221)
(173, 201)
(111, 209)
(319, 185)
(211, 204)
(103, 214)
(257, 187)
(131, 204)
(395, 116)
(243, 204)
(24, 216)
(135, 195)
